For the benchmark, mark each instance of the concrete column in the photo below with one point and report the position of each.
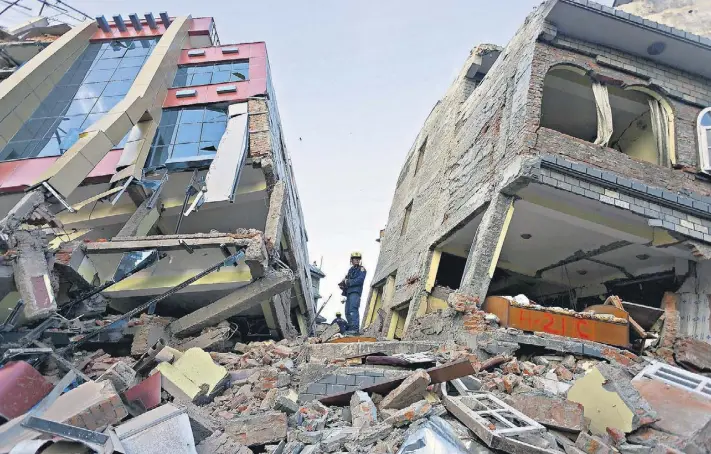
(259, 291)
(694, 303)
(32, 275)
(141, 221)
(488, 241)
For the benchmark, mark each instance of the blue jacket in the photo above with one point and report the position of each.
(354, 280)
(342, 324)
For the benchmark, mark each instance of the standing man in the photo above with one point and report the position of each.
(352, 287)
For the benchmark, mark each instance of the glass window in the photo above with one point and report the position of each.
(704, 129)
(192, 132)
(95, 83)
(217, 73)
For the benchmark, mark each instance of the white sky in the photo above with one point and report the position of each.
(355, 81)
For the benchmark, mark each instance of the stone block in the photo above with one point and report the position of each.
(550, 410)
(410, 414)
(258, 430)
(363, 411)
(335, 439)
(693, 353)
(410, 391)
(591, 444)
(221, 443)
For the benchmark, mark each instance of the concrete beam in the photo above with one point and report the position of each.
(32, 275)
(487, 245)
(141, 221)
(238, 301)
(273, 229)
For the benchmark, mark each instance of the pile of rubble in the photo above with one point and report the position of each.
(512, 392)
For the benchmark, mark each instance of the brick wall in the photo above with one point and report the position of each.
(348, 379)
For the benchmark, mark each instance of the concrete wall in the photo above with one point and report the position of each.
(690, 15)
(470, 141)
(478, 143)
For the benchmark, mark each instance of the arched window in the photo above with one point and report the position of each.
(568, 103)
(704, 128)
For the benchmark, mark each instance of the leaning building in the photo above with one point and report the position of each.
(571, 165)
(133, 139)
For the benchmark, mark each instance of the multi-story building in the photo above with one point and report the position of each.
(571, 165)
(143, 137)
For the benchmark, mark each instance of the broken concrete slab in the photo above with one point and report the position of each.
(410, 414)
(325, 353)
(591, 444)
(693, 354)
(91, 405)
(242, 299)
(221, 443)
(150, 331)
(201, 423)
(363, 411)
(408, 392)
(167, 425)
(215, 339)
(32, 274)
(610, 400)
(121, 375)
(681, 412)
(550, 410)
(192, 376)
(258, 430)
(329, 332)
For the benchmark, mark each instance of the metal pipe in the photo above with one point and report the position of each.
(237, 257)
(103, 24)
(136, 22)
(120, 24)
(151, 21)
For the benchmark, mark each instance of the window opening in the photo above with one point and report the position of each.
(188, 134)
(704, 130)
(406, 219)
(568, 104)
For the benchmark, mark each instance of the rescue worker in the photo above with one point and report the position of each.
(342, 324)
(352, 287)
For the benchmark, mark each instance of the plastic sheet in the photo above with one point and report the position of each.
(435, 436)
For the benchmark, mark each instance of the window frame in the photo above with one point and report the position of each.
(704, 145)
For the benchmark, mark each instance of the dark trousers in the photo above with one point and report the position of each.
(353, 311)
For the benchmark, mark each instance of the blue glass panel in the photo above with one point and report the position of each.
(239, 75)
(107, 64)
(158, 156)
(126, 73)
(192, 115)
(183, 151)
(164, 136)
(99, 75)
(132, 62)
(181, 77)
(215, 114)
(706, 119)
(212, 132)
(81, 106)
(117, 88)
(50, 148)
(169, 117)
(220, 77)
(90, 120)
(90, 90)
(201, 79)
(208, 148)
(188, 133)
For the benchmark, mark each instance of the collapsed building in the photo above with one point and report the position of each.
(141, 160)
(18, 44)
(569, 166)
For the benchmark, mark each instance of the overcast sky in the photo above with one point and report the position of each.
(355, 81)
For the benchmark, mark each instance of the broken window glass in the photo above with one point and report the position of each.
(130, 261)
(95, 83)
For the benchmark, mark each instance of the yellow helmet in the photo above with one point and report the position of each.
(356, 255)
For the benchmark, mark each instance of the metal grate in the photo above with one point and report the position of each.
(677, 377)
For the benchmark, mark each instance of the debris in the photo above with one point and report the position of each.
(693, 354)
(591, 444)
(550, 410)
(410, 414)
(21, 387)
(221, 443)
(214, 339)
(610, 400)
(257, 430)
(363, 411)
(194, 375)
(435, 436)
(329, 332)
(409, 391)
(165, 429)
(147, 392)
(121, 375)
